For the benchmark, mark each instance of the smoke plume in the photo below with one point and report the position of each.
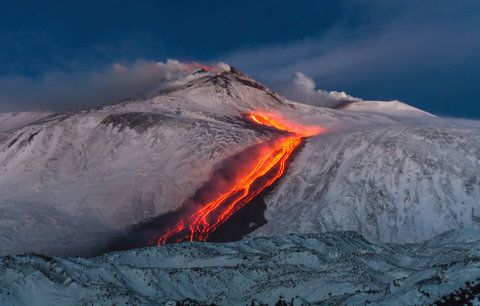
(67, 90)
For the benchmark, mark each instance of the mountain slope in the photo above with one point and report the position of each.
(393, 184)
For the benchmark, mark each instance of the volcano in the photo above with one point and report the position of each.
(74, 182)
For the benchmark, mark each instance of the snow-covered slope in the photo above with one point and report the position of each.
(390, 108)
(14, 120)
(395, 184)
(333, 268)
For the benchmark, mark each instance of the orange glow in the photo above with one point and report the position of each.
(264, 120)
(266, 171)
(278, 123)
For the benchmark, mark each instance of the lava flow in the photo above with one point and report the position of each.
(266, 171)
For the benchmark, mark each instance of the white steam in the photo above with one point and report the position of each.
(303, 89)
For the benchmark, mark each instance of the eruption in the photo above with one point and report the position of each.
(266, 171)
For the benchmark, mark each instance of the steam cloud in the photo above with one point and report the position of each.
(302, 89)
(62, 90)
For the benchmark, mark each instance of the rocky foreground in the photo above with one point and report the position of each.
(330, 268)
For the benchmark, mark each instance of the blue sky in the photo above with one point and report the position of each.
(426, 53)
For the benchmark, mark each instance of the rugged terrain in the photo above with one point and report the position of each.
(333, 268)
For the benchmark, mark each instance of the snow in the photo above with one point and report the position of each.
(390, 108)
(391, 184)
(330, 268)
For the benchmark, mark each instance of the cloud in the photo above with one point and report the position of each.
(67, 90)
(302, 89)
(403, 37)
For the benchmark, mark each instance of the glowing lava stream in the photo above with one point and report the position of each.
(267, 170)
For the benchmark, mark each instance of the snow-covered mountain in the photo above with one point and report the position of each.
(71, 181)
(389, 108)
(334, 268)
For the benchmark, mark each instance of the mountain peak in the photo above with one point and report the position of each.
(222, 86)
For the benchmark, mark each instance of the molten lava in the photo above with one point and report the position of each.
(278, 123)
(266, 171)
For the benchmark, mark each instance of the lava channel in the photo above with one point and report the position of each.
(264, 172)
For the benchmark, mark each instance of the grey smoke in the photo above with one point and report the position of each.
(67, 90)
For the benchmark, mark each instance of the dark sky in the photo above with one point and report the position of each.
(426, 53)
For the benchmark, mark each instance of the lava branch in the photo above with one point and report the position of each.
(267, 170)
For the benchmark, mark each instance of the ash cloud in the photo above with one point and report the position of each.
(68, 90)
